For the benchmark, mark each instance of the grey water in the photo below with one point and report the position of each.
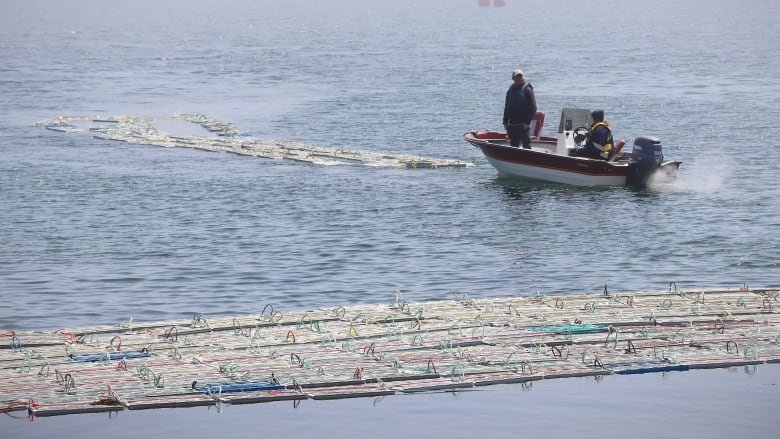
(95, 232)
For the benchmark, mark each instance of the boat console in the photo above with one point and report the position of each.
(571, 119)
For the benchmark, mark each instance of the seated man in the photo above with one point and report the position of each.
(599, 143)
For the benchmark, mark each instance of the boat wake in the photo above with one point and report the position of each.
(224, 137)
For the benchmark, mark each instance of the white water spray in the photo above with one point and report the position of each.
(704, 176)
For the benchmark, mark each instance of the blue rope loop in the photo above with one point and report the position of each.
(580, 328)
(270, 313)
(106, 356)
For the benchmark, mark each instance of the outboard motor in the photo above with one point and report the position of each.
(646, 157)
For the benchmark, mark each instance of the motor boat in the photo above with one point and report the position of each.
(551, 159)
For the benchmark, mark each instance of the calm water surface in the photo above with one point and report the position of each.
(94, 231)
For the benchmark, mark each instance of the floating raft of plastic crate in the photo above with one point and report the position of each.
(223, 137)
(378, 350)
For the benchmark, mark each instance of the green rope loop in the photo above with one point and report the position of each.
(228, 367)
(586, 356)
(302, 361)
(509, 364)
(159, 381)
(259, 332)
(678, 333)
(144, 372)
(612, 330)
(457, 373)
(253, 346)
(302, 321)
(393, 334)
(750, 351)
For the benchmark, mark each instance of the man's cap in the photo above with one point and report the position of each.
(516, 73)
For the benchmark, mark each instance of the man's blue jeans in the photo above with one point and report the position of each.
(518, 134)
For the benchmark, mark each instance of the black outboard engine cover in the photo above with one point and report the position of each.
(646, 157)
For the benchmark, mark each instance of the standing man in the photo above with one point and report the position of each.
(519, 109)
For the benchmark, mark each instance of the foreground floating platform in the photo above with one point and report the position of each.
(223, 137)
(379, 350)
